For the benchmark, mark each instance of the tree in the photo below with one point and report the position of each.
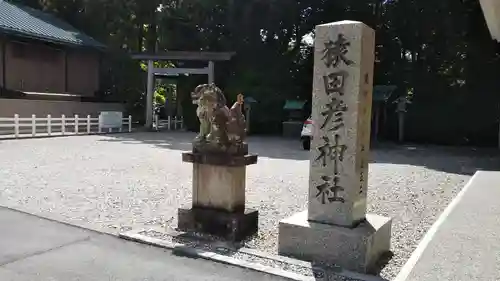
(439, 51)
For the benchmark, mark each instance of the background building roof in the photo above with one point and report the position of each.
(381, 93)
(294, 105)
(22, 21)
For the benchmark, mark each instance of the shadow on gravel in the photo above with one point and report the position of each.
(198, 245)
(456, 160)
(382, 263)
(264, 146)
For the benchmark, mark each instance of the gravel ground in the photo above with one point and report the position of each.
(119, 182)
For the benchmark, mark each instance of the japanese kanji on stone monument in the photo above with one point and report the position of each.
(336, 229)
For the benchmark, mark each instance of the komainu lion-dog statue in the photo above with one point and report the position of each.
(222, 129)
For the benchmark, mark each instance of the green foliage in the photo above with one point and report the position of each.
(439, 51)
(160, 96)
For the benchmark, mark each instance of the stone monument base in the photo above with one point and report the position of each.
(356, 249)
(233, 226)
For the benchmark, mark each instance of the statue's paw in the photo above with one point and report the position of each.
(199, 138)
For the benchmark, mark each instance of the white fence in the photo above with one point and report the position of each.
(50, 126)
(170, 123)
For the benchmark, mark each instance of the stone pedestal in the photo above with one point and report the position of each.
(336, 229)
(218, 206)
(219, 187)
(356, 249)
(233, 226)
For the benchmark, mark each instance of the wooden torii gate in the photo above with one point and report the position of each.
(210, 57)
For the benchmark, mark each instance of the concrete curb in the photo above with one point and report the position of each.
(183, 250)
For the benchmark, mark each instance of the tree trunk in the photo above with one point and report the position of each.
(140, 38)
(152, 36)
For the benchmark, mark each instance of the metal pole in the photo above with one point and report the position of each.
(49, 125)
(211, 72)
(89, 120)
(63, 124)
(16, 125)
(77, 126)
(33, 125)
(401, 126)
(149, 96)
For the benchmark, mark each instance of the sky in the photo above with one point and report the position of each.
(308, 39)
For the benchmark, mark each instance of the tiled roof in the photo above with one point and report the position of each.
(383, 92)
(294, 105)
(23, 21)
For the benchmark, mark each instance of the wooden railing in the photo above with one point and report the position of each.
(170, 123)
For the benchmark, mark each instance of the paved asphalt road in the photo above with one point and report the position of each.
(36, 249)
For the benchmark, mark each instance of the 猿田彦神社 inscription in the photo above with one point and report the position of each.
(328, 191)
(335, 229)
(335, 52)
(331, 152)
(334, 112)
(334, 83)
(361, 181)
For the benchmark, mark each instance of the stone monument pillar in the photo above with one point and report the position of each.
(336, 229)
(219, 157)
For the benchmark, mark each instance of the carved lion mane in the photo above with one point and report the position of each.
(219, 125)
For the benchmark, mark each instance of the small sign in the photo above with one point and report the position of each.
(111, 119)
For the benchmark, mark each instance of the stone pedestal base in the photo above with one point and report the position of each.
(356, 249)
(219, 195)
(234, 226)
(219, 187)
